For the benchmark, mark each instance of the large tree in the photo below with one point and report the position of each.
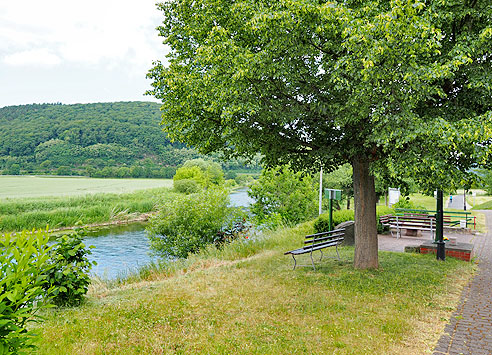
(401, 86)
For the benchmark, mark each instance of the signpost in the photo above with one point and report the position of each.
(332, 194)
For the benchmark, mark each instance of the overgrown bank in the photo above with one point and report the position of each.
(245, 298)
(58, 212)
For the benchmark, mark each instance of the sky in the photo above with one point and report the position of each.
(73, 51)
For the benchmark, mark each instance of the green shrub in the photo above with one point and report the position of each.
(187, 186)
(69, 274)
(322, 223)
(23, 265)
(291, 195)
(187, 223)
(381, 211)
(204, 173)
(404, 203)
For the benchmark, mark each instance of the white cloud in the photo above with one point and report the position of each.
(77, 51)
(35, 57)
(92, 32)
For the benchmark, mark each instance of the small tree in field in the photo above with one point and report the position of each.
(397, 85)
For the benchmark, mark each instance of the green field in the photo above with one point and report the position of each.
(36, 186)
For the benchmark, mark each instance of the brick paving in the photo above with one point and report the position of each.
(469, 331)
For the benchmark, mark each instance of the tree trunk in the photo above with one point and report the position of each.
(366, 233)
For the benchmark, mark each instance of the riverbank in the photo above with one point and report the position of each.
(245, 298)
(64, 212)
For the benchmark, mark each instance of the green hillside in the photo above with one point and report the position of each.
(119, 139)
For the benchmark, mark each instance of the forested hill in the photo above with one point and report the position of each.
(102, 139)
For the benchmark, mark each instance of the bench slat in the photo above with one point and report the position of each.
(322, 239)
(323, 245)
(325, 233)
(309, 249)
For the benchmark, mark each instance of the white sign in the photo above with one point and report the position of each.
(393, 196)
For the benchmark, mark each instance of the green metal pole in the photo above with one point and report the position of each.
(330, 220)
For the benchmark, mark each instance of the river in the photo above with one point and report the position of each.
(121, 250)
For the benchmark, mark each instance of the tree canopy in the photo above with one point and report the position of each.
(400, 86)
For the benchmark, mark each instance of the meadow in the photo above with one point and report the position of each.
(245, 299)
(77, 203)
(37, 186)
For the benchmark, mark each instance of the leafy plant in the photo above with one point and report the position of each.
(239, 228)
(23, 287)
(186, 186)
(189, 222)
(205, 173)
(291, 195)
(487, 179)
(381, 211)
(69, 272)
(321, 224)
(404, 203)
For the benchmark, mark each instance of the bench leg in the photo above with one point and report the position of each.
(336, 247)
(312, 261)
(295, 262)
(321, 257)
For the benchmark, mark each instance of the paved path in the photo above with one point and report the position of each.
(457, 202)
(470, 328)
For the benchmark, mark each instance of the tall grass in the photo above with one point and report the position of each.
(28, 213)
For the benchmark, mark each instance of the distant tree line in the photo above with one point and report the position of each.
(120, 139)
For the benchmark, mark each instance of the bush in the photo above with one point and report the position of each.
(321, 224)
(486, 181)
(186, 186)
(204, 173)
(293, 196)
(381, 211)
(69, 272)
(187, 223)
(23, 265)
(404, 203)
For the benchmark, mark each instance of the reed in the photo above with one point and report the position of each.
(65, 211)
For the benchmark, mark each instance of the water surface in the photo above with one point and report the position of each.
(120, 250)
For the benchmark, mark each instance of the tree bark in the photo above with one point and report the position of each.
(366, 233)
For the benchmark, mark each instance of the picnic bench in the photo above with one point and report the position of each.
(318, 241)
(451, 218)
(409, 222)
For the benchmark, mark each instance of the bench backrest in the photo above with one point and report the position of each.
(335, 236)
(428, 220)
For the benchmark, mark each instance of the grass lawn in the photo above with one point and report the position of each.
(246, 299)
(36, 186)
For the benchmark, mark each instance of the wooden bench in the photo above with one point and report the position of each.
(409, 222)
(318, 241)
